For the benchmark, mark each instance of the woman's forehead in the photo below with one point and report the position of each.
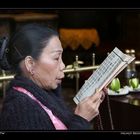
(54, 45)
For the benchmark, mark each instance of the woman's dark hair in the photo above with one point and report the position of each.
(30, 39)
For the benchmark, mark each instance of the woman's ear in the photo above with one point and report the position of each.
(29, 64)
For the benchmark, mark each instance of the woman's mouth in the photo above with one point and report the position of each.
(59, 81)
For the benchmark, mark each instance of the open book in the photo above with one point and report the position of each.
(115, 62)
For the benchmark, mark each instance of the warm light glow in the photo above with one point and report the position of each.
(76, 37)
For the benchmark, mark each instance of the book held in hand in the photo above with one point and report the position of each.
(114, 63)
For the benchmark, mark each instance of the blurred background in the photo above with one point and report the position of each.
(87, 36)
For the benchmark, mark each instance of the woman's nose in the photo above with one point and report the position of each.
(62, 67)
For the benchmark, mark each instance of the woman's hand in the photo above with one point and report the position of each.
(89, 107)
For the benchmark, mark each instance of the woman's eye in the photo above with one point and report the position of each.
(56, 58)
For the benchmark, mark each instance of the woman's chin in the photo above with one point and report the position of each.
(55, 86)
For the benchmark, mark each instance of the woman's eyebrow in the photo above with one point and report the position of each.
(57, 51)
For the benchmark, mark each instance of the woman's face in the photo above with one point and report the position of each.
(48, 70)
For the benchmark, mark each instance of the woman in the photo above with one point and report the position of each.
(33, 100)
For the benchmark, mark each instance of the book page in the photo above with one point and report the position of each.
(115, 62)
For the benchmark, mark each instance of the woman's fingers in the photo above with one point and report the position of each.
(105, 90)
(95, 97)
(98, 96)
(103, 97)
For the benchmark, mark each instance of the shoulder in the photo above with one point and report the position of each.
(15, 99)
(19, 105)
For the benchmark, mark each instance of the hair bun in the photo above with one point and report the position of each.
(3, 54)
